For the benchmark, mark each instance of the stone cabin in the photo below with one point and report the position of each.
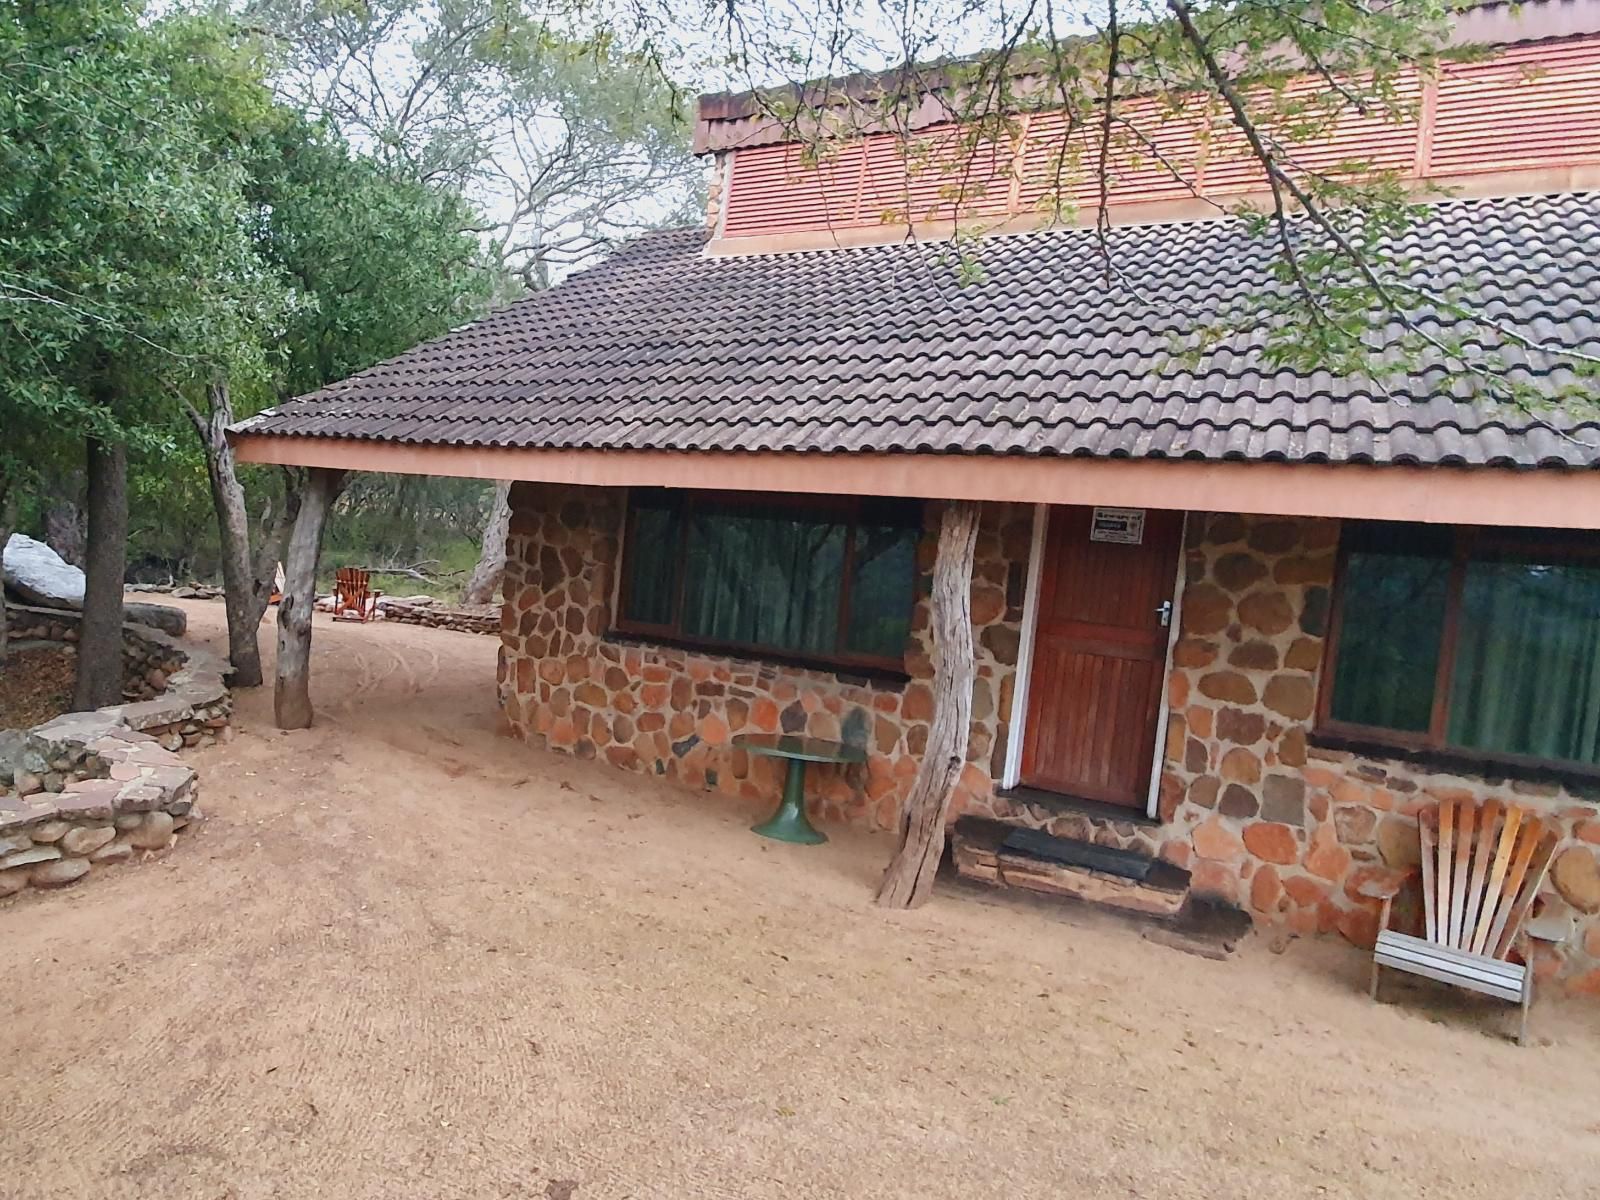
(1246, 620)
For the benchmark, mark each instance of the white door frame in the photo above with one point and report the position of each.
(1030, 623)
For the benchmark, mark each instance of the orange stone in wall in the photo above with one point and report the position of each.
(1265, 889)
(1326, 857)
(1272, 842)
(1210, 878)
(1214, 840)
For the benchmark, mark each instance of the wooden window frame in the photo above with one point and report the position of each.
(1468, 542)
(844, 510)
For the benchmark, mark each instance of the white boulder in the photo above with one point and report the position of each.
(41, 576)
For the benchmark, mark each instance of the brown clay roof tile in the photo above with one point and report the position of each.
(882, 349)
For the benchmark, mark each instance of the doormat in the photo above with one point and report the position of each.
(1128, 864)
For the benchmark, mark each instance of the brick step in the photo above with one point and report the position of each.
(991, 852)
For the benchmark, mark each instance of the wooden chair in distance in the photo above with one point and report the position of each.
(1481, 869)
(353, 597)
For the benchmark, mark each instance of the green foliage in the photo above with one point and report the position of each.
(125, 271)
(164, 222)
(377, 262)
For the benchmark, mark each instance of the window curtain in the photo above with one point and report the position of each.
(1527, 669)
(1389, 640)
(881, 590)
(652, 564)
(764, 579)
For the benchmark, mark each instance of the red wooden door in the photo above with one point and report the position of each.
(1100, 650)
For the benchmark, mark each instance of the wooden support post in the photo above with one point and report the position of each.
(291, 692)
(908, 881)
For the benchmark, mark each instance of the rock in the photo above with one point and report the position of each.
(1228, 685)
(1576, 875)
(50, 831)
(1283, 799)
(1267, 612)
(1398, 842)
(59, 873)
(1293, 696)
(86, 838)
(26, 784)
(1374, 883)
(1355, 823)
(13, 881)
(1272, 842)
(41, 576)
(1553, 922)
(27, 858)
(171, 741)
(1214, 840)
(113, 851)
(169, 620)
(1326, 857)
(129, 820)
(152, 833)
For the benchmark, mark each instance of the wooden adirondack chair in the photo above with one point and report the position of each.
(353, 597)
(1481, 869)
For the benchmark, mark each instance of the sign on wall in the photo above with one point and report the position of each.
(1124, 525)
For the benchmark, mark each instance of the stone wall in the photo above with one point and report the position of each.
(174, 692)
(125, 796)
(1262, 816)
(89, 789)
(440, 618)
(1295, 833)
(566, 684)
(146, 661)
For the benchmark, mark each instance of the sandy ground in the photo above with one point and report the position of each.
(406, 958)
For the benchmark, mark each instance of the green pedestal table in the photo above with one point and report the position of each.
(788, 823)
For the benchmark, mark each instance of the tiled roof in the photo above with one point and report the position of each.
(882, 349)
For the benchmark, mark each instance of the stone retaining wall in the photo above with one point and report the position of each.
(134, 799)
(89, 789)
(147, 662)
(177, 693)
(672, 712)
(440, 618)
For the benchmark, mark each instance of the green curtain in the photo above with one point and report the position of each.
(764, 579)
(881, 597)
(652, 563)
(1393, 608)
(1527, 671)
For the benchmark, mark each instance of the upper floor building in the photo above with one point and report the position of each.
(1521, 119)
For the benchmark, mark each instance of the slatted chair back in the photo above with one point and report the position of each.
(351, 593)
(1482, 866)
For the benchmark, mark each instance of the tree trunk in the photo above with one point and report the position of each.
(485, 581)
(908, 881)
(63, 521)
(246, 592)
(291, 693)
(99, 680)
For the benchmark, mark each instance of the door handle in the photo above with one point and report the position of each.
(1165, 609)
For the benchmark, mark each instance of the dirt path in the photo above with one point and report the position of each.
(405, 958)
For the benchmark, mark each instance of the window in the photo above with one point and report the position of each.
(831, 580)
(1482, 641)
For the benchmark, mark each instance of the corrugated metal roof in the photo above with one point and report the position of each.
(881, 349)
